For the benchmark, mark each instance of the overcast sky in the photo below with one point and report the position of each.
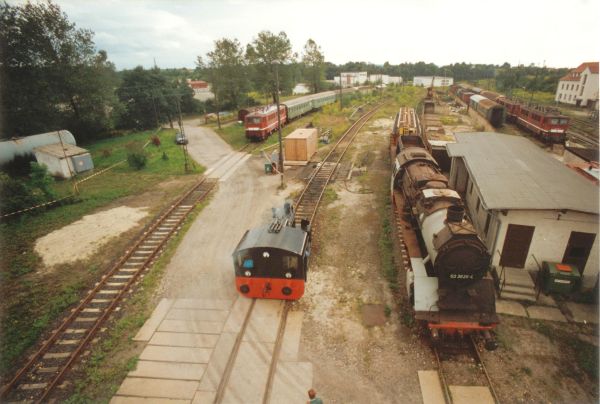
(557, 33)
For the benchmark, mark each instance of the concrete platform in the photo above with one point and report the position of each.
(583, 313)
(198, 315)
(218, 362)
(184, 339)
(545, 313)
(204, 397)
(471, 395)
(510, 307)
(431, 387)
(249, 374)
(169, 370)
(176, 354)
(291, 339)
(158, 388)
(145, 333)
(145, 400)
(202, 327)
(292, 381)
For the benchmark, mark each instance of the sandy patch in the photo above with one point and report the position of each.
(83, 238)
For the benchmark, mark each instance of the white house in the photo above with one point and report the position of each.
(438, 81)
(580, 86)
(526, 205)
(384, 79)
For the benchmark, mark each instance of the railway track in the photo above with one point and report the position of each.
(306, 204)
(47, 367)
(462, 354)
(583, 139)
(305, 207)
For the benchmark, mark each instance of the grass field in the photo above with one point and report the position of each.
(33, 300)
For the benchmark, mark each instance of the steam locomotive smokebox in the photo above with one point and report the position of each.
(455, 214)
(300, 146)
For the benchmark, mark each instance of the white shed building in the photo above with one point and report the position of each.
(526, 205)
(438, 81)
(64, 160)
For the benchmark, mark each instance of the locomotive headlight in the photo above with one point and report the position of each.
(288, 275)
(248, 273)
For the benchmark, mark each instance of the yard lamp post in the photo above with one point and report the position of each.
(280, 164)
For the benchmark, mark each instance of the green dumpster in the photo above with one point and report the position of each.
(268, 168)
(559, 278)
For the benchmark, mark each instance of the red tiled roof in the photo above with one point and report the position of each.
(574, 74)
(198, 84)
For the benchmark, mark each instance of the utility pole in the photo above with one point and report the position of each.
(280, 165)
(341, 93)
(184, 144)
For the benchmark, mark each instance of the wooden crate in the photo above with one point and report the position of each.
(300, 146)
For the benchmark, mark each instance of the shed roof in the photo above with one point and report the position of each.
(513, 173)
(58, 150)
(302, 133)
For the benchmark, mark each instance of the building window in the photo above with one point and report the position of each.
(584, 79)
(577, 87)
(559, 96)
(470, 188)
(563, 86)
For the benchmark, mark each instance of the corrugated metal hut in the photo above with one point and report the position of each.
(64, 160)
(25, 145)
(300, 146)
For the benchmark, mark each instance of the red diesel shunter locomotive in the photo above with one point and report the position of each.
(271, 261)
(261, 123)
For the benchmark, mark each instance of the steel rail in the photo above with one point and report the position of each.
(348, 137)
(477, 356)
(92, 294)
(287, 304)
(276, 352)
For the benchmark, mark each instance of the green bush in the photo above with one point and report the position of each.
(136, 156)
(17, 194)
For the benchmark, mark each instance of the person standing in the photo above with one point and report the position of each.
(312, 394)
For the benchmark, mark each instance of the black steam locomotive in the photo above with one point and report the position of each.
(448, 279)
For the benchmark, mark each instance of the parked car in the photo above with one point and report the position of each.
(180, 138)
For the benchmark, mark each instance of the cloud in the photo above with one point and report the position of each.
(562, 32)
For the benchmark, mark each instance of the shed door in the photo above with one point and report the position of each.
(578, 249)
(516, 245)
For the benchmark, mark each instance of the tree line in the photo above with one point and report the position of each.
(54, 77)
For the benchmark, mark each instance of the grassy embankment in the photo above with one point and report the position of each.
(34, 296)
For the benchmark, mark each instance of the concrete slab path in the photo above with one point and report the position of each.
(192, 332)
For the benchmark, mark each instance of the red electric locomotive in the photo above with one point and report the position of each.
(261, 123)
(550, 125)
(271, 261)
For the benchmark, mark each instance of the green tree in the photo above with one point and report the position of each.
(52, 77)
(268, 53)
(226, 73)
(147, 97)
(314, 62)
